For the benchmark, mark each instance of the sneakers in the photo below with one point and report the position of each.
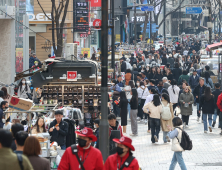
(156, 139)
(210, 128)
(167, 138)
(198, 119)
(145, 122)
(205, 131)
(138, 118)
(221, 132)
(213, 124)
(133, 134)
(148, 131)
(187, 126)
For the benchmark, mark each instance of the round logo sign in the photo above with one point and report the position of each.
(122, 139)
(84, 131)
(97, 23)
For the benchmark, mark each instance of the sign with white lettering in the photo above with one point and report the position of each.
(39, 17)
(138, 19)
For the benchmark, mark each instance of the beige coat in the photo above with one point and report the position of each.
(164, 123)
(154, 111)
(34, 130)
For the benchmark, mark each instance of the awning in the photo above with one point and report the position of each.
(214, 46)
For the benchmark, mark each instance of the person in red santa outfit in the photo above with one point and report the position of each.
(90, 157)
(123, 159)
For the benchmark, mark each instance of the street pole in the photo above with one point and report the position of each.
(210, 26)
(150, 28)
(164, 23)
(113, 40)
(135, 32)
(73, 18)
(104, 127)
(25, 42)
(219, 22)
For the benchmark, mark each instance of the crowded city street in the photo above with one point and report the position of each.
(110, 85)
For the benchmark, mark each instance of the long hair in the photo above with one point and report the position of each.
(131, 84)
(37, 125)
(166, 97)
(156, 100)
(6, 95)
(123, 95)
(173, 83)
(134, 96)
(207, 93)
(207, 76)
(20, 85)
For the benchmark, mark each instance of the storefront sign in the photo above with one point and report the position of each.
(82, 20)
(86, 51)
(95, 3)
(76, 42)
(19, 60)
(138, 19)
(97, 23)
(93, 49)
(71, 75)
(39, 17)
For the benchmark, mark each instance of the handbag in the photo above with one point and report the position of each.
(139, 99)
(177, 111)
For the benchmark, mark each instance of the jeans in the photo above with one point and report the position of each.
(215, 115)
(185, 119)
(205, 120)
(128, 107)
(155, 128)
(177, 157)
(193, 96)
(164, 136)
(148, 117)
(63, 147)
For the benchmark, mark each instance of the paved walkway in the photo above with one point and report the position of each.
(205, 155)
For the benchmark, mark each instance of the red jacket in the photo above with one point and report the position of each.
(111, 162)
(219, 102)
(94, 160)
(118, 128)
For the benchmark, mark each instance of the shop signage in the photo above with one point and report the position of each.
(82, 20)
(77, 42)
(71, 75)
(39, 17)
(97, 23)
(95, 3)
(138, 19)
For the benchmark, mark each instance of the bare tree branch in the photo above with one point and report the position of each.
(43, 10)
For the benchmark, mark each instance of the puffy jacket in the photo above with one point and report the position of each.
(219, 102)
(31, 61)
(193, 82)
(59, 135)
(92, 158)
(111, 162)
(187, 98)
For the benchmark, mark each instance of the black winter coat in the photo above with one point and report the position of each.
(123, 66)
(207, 106)
(59, 135)
(216, 93)
(164, 61)
(196, 92)
(123, 106)
(177, 72)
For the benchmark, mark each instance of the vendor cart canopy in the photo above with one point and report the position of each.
(214, 46)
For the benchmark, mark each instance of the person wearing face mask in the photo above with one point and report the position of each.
(23, 89)
(96, 126)
(123, 159)
(8, 124)
(90, 157)
(4, 106)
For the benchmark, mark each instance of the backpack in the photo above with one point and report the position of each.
(19, 157)
(166, 114)
(186, 143)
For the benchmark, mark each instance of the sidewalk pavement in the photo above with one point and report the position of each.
(205, 155)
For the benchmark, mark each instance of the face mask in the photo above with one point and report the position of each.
(36, 64)
(147, 69)
(23, 82)
(81, 142)
(138, 84)
(3, 120)
(119, 150)
(95, 127)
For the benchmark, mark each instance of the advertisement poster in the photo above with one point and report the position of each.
(93, 49)
(117, 37)
(19, 60)
(86, 51)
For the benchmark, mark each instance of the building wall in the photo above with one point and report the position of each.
(7, 51)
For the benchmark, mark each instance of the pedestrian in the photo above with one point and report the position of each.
(8, 159)
(194, 80)
(208, 81)
(170, 60)
(186, 100)
(177, 72)
(32, 150)
(8, 124)
(123, 102)
(23, 89)
(169, 74)
(164, 59)
(120, 160)
(6, 96)
(39, 126)
(134, 74)
(166, 123)
(1, 96)
(123, 65)
(20, 138)
(115, 86)
(183, 77)
(216, 93)
(176, 136)
(96, 126)
(127, 89)
(90, 157)
(4, 106)
(128, 76)
(133, 111)
(142, 95)
(155, 109)
(197, 93)
(207, 107)
(58, 130)
(166, 83)
(14, 129)
(173, 91)
(219, 105)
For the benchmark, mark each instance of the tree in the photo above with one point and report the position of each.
(56, 14)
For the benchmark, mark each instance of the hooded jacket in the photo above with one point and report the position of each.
(59, 135)
(92, 158)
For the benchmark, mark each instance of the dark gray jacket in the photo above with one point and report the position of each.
(187, 98)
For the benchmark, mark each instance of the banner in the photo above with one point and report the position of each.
(19, 60)
(117, 37)
(86, 51)
(93, 49)
(95, 3)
